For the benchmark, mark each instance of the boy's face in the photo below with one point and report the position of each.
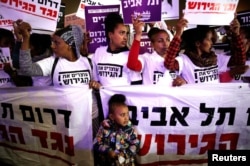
(120, 115)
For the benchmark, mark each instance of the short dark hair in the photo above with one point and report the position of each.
(40, 42)
(111, 21)
(153, 31)
(191, 36)
(116, 100)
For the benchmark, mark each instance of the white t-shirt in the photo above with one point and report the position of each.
(167, 79)
(153, 68)
(110, 69)
(41, 80)
(238, 78)
(67, 73)
(194, 74)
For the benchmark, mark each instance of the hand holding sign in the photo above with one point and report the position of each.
(181, 24)
(235, 25)
(17, 33)
(22, 28)
(138, 26)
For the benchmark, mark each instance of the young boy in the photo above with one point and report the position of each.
(116, 142)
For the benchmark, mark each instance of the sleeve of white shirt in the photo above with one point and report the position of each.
(95, 71)
(46, 65)
(180, 62)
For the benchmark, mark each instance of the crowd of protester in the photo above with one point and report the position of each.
(176, 60)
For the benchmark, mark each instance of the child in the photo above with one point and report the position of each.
(116, 142)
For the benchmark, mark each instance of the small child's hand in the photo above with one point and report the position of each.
(105, 123)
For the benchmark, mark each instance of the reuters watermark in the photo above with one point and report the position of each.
(229, 157)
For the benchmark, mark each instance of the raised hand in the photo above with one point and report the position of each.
(17, 32)
(22, 28)
(180, 25)
(235, 25)
(138, 25)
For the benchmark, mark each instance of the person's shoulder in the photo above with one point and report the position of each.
(181, 55)
(145, 55)
(51, 59)
(248, 62)
(101, 48)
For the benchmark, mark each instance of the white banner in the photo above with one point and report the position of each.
(41, 15)
(46, 126)
(210, 12)
(178, 126)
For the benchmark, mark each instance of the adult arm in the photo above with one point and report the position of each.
(238, 57)
(169, 61)
(15, 54)
(133, 62)
(18, 43)
(174, 47)
(27, 67)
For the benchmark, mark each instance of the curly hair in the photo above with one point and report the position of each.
(111, 21)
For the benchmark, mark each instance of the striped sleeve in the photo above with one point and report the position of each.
(238, 56)
(173, 49)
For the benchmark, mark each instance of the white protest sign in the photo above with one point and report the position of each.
(5, 80)
(170, 9)
(46, 126)
(178, 125)
(210, 12)
(5, 55)
(41, 15)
